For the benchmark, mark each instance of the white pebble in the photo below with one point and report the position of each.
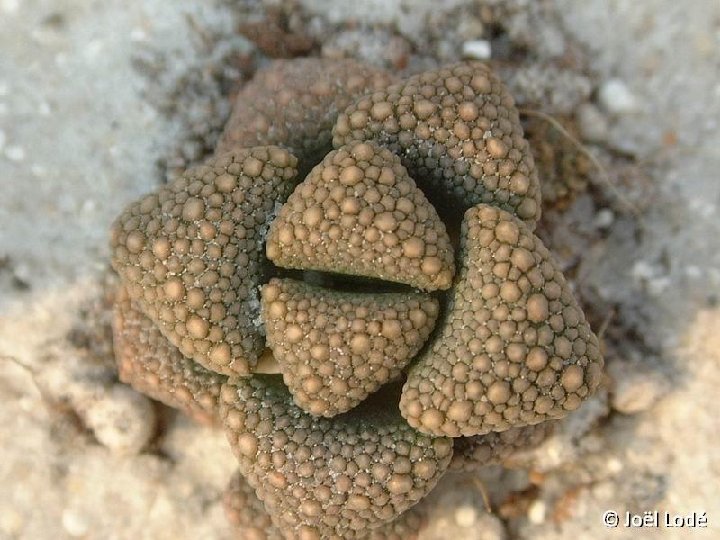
(15, 153)
(659, 285)
(614, 465)
(38, 170)
(23, 272)
(470, 28)
(536, 512)
(74, 524)
(138, 34)
(93, 49)
(643, 270)
(121, 419)
(10, 6)
(489, 527)
(604, 491)
(635, 389)
(465, 516)
(604, 218)
(11, 522)
(617, 98)
(478, 49)
(634, 395)
(592, 123)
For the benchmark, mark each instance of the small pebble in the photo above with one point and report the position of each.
(478, 49)
(138, 35)
(604, 491)
(38, 170)
(11, 522)
(470, 28)
(121, 419)
(604, 218)
(592, 123)
(635, 390)
(536, 512)
(614, 465)
(489, 527)
(15, 153)
(616, 98)
(466, 516)
(74, 524)
(10, 6)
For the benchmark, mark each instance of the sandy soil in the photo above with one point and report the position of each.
(100, 101)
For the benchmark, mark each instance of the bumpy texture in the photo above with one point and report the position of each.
(515, 348)
(328, 478)
(149, 363)
(359, 213)
(191, 254)
(458, 133)
(335, 348)
(472, 453)
(248, 514)
(512, 349)
(295, 103)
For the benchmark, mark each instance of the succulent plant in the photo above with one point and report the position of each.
(399, 347)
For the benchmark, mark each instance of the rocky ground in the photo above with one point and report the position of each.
(102, 100)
